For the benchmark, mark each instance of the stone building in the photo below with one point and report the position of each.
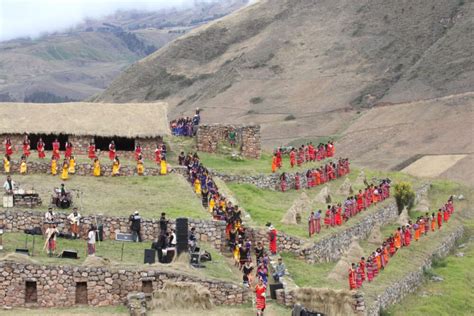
(247, 138)
(81, 123)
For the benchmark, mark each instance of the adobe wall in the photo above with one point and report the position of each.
(247, 137)
(14, 220)
(56, 285)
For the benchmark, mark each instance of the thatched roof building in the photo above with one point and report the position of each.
(131, 120)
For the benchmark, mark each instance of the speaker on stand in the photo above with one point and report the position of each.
(181, 235)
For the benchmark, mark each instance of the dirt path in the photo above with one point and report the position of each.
(432, 166)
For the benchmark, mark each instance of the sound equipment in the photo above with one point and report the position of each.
(65, 235)
(69, 254)
(23, 251)
(206, 256)
(170, 253)
(306, 312)
(181, 235)
(150, 256)
(273, 288)
(100, 232)
(195, 259)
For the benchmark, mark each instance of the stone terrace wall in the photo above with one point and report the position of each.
(247, 136)
(56, 285)
(412, 279)
(18, 220)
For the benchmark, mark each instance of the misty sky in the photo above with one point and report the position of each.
(22, 18)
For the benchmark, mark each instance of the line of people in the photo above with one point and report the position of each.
(367, 270)
(303, 154)
(339, 213)
(317, 176)
(186, 126)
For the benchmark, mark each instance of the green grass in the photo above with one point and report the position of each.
(220, 267)
(120, 196)
(453, 296)
(310, 275)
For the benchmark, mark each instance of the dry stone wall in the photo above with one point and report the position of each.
(63, 286)
(14, 220)
(247, 137)
(411, 281)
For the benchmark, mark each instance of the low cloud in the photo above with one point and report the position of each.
(32, 18)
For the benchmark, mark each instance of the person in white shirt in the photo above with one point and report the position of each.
(50, 240)
(49, 215)
(74, 219)
(91, 241)
(9, 185)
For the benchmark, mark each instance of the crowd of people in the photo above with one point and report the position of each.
(339, 213)
(317, 176)
(186, 126)
(367, 270)
(303, 154)
(68, 166)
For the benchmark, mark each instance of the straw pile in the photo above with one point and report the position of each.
(300, 206)
(16, 257)
(345, 188)
(375, 236)
(353, 255)
(96, 262)
(323, 196)
(182, 295)
(360, 181)
(403, 218)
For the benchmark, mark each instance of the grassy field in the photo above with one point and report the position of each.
(120, 196)
(219, 268)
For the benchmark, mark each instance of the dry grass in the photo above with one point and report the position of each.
(82, 118)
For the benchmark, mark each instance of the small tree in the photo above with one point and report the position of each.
(405, 196)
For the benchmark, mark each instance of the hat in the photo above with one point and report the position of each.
(136, 213)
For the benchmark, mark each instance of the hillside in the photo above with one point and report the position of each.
(82, 61)
(309, 69)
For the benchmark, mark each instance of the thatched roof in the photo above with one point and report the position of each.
(85, 119)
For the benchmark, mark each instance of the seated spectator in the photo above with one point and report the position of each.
(279, 270)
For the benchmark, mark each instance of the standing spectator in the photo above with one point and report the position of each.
(91, 241)
(163, 224)
(135, 226)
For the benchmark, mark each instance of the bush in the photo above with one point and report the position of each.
(405, 196)
(290, 117)
(256, 100)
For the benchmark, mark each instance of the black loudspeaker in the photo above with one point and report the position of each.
(69, 254)
(150, 256)
(170, 255)
(273, 288)
(195, 259)
(23, 251)
(181, 235)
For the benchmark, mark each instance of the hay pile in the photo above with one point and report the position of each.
(423, 205)
(361, 179)
(327, 301)
(352, 255)
(403, 218)
(300, 207)
(16, 257)
(375, 236)
(345, 188)
(324, 196)
(96, 262)
(182, 295)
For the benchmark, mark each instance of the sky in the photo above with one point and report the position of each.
(31, 18)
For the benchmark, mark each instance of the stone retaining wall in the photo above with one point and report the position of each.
(56, 285)
(412, 279)
(18, 220)
(247, 137)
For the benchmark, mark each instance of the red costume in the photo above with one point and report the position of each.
(8, 147)
(260, 297)
(91, 151)
(112, 151)
(407, 237)
(352, 279)
(40, 149)
(56, 146)
(440, 220)
(26, 147)
(138, 152)
(158, 155)
(278, 158)
(272, 238)
(297, 181)
(68, 152)
(292, 158)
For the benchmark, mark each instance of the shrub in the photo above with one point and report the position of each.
(405, 196)
(256, 100)
(290, 117)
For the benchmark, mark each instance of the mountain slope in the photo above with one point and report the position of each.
(82, 61)
(303, 68)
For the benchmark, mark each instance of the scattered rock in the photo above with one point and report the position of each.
(460, 254)
(460, 197)
(462, 246)
(436, 278)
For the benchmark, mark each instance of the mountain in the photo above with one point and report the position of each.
(312, 69)
(82, 61)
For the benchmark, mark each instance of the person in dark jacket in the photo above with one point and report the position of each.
(135, 226)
